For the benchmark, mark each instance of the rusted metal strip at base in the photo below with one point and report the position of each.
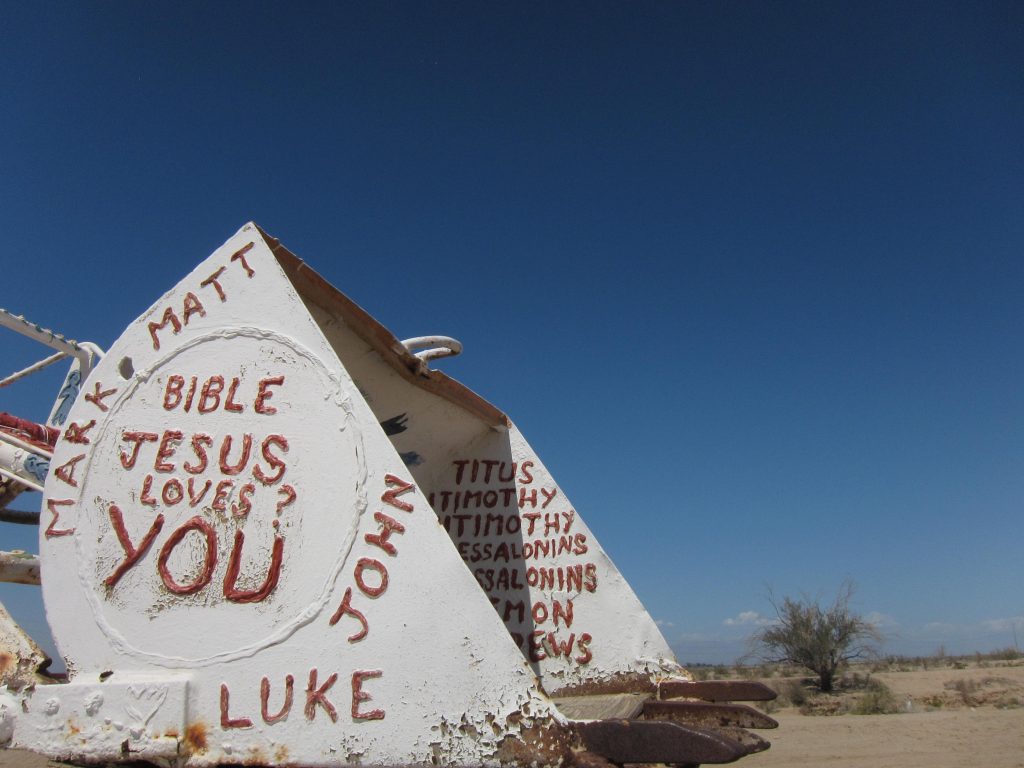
(629, 682)
(705, 714)
(654, 741)
(716, 690)
(590, 760)
(752, 742)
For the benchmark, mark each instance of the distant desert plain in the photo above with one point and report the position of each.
(944, 713)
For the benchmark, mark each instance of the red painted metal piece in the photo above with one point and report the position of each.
(39, 435)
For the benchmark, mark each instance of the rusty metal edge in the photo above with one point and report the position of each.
(716, 690)
(313, 287)
(707, 714)
(657, 741)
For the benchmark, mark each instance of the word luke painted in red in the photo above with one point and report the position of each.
(316, 699)
(371, 578)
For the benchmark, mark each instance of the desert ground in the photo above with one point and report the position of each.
(946, 716)
(947, 713)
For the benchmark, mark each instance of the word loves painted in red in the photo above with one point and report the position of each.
(173, 319)
(320, 698)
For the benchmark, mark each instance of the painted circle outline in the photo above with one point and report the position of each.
(334, 391)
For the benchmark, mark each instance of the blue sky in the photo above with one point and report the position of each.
(747, 276)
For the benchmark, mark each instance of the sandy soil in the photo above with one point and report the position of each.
(982, 738)
(936, 729)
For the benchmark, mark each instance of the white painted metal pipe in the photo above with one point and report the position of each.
(19, 567)
(32, 368)
(433, 347)
(86, 352)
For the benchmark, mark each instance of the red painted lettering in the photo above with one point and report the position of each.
(172, 392)
(263, 394)
(66, 472)
(168, 445)
(169, 317)
(231, 590)
(359, 695)
(316, 696)
(244, 505)
(269, 719)
(209, 558)
(212, 280)
(583, 646)
(76, 433)
(209, 398)
(98, 396)
(173, 492)
(192, 306)
(199, 443)
(275, 462)
(388, 525)
(132, 554)
(565, 612)
(289, 497)
(560, 648)
(229, 401)
(226, 721)
(397, 487)
(239, 255)
(193, 499)
(145, 497)
(137, 439)
(537, 646)
(52, 530)
(378, 566)
(346, 609)
(220, 495)
(225, 449)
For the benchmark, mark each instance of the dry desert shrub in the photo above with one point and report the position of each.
(877, 699)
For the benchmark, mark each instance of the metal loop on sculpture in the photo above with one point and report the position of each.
(433, 347)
